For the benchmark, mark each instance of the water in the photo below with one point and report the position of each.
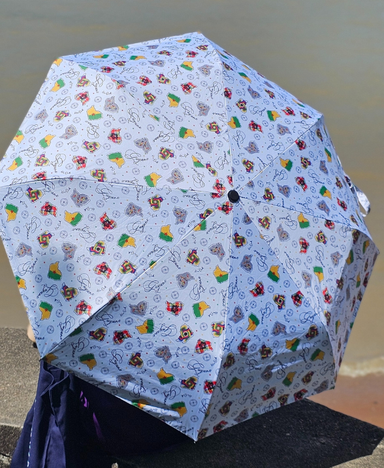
(329, 54)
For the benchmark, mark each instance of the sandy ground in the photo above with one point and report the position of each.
(359, 397)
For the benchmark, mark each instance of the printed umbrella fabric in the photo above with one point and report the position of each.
(182, 233)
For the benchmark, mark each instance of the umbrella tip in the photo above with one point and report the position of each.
(233, 196)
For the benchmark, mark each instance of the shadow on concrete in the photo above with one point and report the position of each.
(9, 436)
(301, 435)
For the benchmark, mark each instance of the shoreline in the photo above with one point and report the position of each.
(361, 397)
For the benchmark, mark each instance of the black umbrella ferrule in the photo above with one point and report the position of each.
(233, 196)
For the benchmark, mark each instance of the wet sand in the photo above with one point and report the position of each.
(359, 397)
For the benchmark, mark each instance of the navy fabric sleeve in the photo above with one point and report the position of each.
(73, 424)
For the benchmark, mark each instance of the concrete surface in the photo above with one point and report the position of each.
(303, 435)
(19, 370)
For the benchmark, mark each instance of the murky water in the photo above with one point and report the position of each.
(329, 54)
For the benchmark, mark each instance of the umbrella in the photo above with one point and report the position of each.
(183, 233)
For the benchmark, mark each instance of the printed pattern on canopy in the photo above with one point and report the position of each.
(182, 233)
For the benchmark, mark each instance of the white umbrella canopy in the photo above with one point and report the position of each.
(182, 233)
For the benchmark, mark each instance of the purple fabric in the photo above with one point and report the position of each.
(73, 424)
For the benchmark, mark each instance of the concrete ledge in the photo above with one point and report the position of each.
(304, 434)
(18, 380)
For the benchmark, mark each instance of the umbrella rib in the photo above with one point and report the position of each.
(225, 107)
(71, 178)
(279, 260)
(106, 304)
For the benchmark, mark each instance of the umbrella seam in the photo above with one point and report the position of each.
(282, 152)
(223, 98)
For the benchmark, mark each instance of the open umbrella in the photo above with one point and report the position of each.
(182, 233)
